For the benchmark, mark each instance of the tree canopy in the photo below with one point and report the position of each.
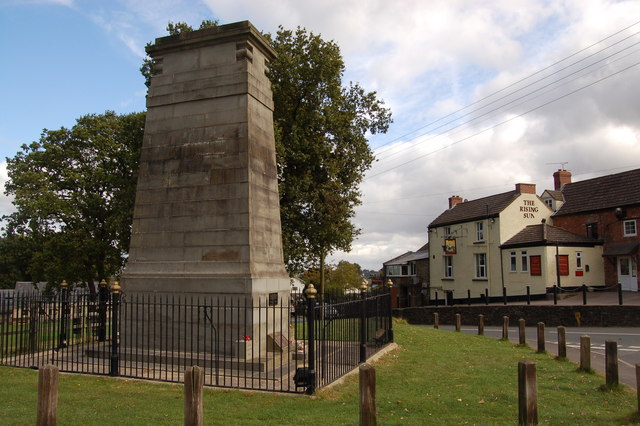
(74, 192)
(338, 278)
(321, 132)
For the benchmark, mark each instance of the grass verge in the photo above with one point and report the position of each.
(434, 377)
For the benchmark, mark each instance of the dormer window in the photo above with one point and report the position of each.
(479, 231)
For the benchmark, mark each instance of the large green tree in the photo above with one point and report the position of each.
(337, 278)
(321, 141)
(74, 192)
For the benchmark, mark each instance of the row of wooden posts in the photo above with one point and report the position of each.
(527, 393)
(193, 388)
(48, 396)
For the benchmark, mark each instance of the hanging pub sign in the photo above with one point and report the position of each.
(449, 246)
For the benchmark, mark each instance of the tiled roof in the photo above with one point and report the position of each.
(556, 195)
(620, 189)
(544, 234)
(481, 208)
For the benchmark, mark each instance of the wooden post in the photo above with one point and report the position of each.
(367, 395)
(521, 332)
(458, 322)
(47, 395)
(480, 325)
(436, 320)
(562, 342)
(505, 328)
(541, 347)
(527, 393)
(193, 382)
(638, 385)
(611, 362)
(585, 353)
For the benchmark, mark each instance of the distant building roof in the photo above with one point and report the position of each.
(543, 234)
(605, 192)
(481, 208)
(410, 256)
(556, 195)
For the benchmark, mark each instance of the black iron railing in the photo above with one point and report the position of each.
(240, 342)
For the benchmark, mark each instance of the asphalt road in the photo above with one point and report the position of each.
(627, 338)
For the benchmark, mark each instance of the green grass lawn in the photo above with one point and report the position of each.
(434, 377)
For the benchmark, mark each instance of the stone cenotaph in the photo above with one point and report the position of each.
(206, 220)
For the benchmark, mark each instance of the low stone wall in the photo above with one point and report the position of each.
(552, 316)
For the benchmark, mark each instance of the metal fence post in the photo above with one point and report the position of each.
(311, 322)
(114, 369)
(64, 287)
(103, 296)
(555, 294)
(528, 295)
(584, 294)
(504, 295)
(619, 294)
(390, 286)
(363, 322)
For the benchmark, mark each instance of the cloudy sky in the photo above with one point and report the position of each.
(484, 94)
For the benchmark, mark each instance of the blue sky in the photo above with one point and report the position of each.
(427, 59)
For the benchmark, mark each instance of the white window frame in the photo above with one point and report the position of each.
(524, 261)
(578, 260)
(513, 258)
(448, 266)
(479, 231)
(447, 231)
(481, 265)
(629, 228)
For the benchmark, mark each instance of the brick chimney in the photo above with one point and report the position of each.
(561, 178)
(526, 188)
(454, 199)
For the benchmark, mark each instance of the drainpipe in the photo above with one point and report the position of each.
(558, 266)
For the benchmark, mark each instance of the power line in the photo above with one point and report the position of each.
(522, 97)
(504, 121)
(510, 85)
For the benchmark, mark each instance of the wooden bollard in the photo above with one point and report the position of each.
(611, 362)
(505, 328)
(541, 345)
(480, 325)
(527, 393)
(585, 353)
(522, 338)
(367, 395)
(562, 342)
(458, 322)
(638, 385)
(436, 320)
(47, 395)
(193, 382)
